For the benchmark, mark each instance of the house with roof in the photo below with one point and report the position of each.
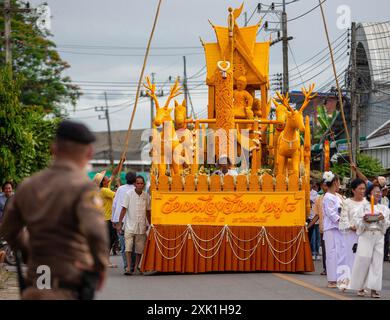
(373, 89)
(135, 155)
(377, 144)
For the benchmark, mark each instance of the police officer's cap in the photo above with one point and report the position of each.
(75, 131)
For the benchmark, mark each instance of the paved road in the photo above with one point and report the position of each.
(246, 286)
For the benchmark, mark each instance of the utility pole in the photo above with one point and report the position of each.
(354, 100)
(245, 18)
(109, 130)
(7, 11)
(282, 16)
(107, 117)
(285, 49)
(185, 83)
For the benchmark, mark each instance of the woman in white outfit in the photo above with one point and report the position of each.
(332, 235)
(368, 267)
(348, 230)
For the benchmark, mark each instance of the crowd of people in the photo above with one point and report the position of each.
(127, 215)
(352, 232)
(39, 221)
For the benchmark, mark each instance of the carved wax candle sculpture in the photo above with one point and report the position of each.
(224, 104)
(243, 100)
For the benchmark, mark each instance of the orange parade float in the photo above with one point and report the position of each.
(251, 221)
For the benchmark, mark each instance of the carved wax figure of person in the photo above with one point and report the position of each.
(256, 108)
(243, 100)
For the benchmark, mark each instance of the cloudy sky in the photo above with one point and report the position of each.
(104, 42)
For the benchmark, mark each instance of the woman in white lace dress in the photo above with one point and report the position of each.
(348, 230)
(368, 267)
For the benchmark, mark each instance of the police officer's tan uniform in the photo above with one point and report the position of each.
(63, 214)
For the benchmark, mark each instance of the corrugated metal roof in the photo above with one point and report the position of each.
(381, 131)
(134, 149)
(382, 154)
(375, 38)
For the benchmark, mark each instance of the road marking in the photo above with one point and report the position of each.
(311, 287)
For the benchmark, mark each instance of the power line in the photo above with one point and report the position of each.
(250, 18)
(329, 81)
(128, 55)
(128, 104)
(81, 46)
(316, 55)
(293, 56)
(302, 15)
(192, 106)
(129, 85)
(198, 73)
(319, 62)
(327, 66)
(265, 14)
(280, 4)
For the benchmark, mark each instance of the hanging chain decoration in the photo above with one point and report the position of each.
(262, 237)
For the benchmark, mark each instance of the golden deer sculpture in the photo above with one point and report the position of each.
(183, 133)
(163, 117)
(180, 115)
(289, 144)
(281, 115)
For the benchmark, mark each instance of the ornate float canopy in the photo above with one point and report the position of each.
(250, 58)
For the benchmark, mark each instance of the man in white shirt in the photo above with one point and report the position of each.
(136, 208)
(117, 208)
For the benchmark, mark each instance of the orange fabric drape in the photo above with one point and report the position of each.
(190, 261)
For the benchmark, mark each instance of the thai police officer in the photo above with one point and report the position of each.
(56, 220)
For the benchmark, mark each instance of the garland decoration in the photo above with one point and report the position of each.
(201, 245)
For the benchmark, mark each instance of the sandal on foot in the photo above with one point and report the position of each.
(137, 272)
(332, 285)
(127, 273)
(375, 295)
(361, 293)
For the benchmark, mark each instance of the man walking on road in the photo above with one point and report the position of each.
(117, 208)
(56, 220)
(136, 207)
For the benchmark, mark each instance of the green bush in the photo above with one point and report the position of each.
(369, 166)
(25, 133)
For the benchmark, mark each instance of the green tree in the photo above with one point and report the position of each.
(38, 64)
(368, 165)
(25, 132)
(324, 121)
